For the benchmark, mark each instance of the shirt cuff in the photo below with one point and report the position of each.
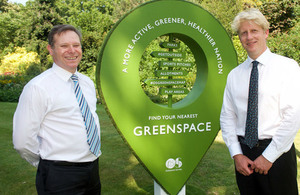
(31, 158)
(271, 153)
(235, 149)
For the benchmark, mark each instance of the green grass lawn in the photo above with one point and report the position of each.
(120, 172)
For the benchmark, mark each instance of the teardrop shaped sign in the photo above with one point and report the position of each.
(168, 141)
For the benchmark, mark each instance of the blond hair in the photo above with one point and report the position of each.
(253, 15)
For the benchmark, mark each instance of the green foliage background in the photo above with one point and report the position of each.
(27, 26)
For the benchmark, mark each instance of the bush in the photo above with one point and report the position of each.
(240, 51)
(11, 86)
(18, 61)
(287, 44)
(16, 69)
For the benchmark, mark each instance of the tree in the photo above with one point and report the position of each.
(28, 26)
(43, 16)
(11, 19)
(124, 6)
(282, 14)
(3, 4)
(223, 10)
(94, 19)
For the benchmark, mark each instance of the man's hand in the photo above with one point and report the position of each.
(243, 164)
(261, 165)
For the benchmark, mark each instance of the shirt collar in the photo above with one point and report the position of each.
(263, 59)
(62, 73)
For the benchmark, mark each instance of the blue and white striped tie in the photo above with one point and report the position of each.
(93, 138)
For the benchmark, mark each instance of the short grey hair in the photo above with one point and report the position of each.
(253, 15)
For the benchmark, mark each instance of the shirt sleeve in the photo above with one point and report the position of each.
(228, 120)
(290, 114)
(95, 108)
(26, 123)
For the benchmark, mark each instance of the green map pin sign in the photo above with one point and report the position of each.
(168, 142)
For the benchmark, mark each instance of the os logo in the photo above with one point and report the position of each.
(173, 163)
(193, 54)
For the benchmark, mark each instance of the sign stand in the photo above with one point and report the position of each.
(159, 191)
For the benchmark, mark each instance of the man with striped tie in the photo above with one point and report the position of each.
(260, 115)
(55, 125)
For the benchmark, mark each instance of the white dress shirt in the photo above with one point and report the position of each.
(278, 104)
(48, 122)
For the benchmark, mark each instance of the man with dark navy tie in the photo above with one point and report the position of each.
(260, 115)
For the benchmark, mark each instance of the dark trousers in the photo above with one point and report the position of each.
(280, 180)
(64, 178)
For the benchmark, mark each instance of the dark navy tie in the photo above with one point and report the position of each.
(93, 138)
(251, 134)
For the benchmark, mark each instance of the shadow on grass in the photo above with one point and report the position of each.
(298, 153)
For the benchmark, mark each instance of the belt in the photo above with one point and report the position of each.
(66, 163)
(261, 142)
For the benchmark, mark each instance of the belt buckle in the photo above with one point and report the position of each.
(257, 144)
